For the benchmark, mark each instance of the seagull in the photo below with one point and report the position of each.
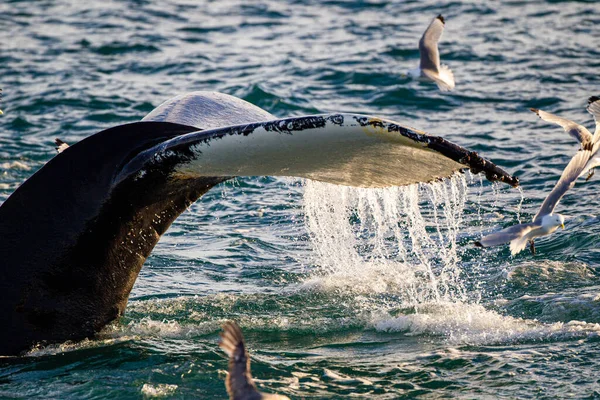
(239, 383)
(580, 133)
(545, 222)
(430, 66)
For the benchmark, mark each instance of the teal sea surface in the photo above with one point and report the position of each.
(341, 292)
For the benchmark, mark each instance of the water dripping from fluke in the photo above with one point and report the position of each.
(398, 240)
(394, 256)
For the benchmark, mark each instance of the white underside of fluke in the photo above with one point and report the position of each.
(345, 149)
(346, 154)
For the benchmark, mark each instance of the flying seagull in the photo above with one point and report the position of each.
(239, 383)
(545, 222)
(430, 66)
(580, 133)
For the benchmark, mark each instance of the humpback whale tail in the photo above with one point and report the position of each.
(96, 210)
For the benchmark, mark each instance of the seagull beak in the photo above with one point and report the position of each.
(562, 225)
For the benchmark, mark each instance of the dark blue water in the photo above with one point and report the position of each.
(380, 295)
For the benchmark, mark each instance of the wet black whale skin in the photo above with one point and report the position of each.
(74, 240)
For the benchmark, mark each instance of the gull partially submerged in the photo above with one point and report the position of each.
(545, 222)
(239, 383)
(430, 66)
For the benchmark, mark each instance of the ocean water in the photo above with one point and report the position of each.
(340, 292)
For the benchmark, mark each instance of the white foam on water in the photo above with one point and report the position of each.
(462, 323)
(134, 330)
(68, 346)
(158, 390)
(164, 328)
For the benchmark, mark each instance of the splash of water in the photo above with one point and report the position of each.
(394, 253)
(400, 241)
(478, 198)
(520, 205)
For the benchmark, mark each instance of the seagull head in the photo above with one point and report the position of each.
(551, 222)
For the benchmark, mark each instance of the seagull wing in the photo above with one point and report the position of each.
(239, 382)
(594, 109)
(573, 170)
(428, 45)
(579, 132)
(507, 235)
(443, 84)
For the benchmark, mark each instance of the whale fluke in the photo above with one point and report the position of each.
(90, 237)
(76, 234)
(345, 149)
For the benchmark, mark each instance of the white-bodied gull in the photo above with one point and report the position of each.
(239, 383)
(430, 66)
(583, 136)
(545, 222)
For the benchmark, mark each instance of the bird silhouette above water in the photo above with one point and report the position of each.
(239, 383)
